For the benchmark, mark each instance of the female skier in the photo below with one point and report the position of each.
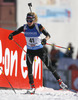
(32, 31)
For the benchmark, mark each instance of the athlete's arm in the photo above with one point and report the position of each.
(19, 30)
(42, 29)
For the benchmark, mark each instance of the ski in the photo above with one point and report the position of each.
(27, 93)
(68, 90)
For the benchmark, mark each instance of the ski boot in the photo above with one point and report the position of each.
(31, 90)
(62, 85)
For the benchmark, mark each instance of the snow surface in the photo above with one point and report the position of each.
(42, 93)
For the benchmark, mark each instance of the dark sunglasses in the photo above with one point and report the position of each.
(30, 21)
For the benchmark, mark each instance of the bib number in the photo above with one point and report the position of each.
(31, 40)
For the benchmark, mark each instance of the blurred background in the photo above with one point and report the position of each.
(60, 19)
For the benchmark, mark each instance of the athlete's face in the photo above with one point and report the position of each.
(30, 22)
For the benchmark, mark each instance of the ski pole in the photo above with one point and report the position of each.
(19, 45)
(57, 46)
(8, 81)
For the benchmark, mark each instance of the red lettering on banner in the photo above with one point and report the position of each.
(13, 62)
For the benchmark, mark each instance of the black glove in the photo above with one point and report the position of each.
(10, 37)
(43, 42)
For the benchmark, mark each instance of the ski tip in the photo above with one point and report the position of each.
(71, 90)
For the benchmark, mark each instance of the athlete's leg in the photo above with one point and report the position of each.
(48, 64)
(44, 57)
(29, 61)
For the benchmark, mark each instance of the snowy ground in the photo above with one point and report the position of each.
(41, 94)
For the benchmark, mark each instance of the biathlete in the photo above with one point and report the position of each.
(32, 31)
